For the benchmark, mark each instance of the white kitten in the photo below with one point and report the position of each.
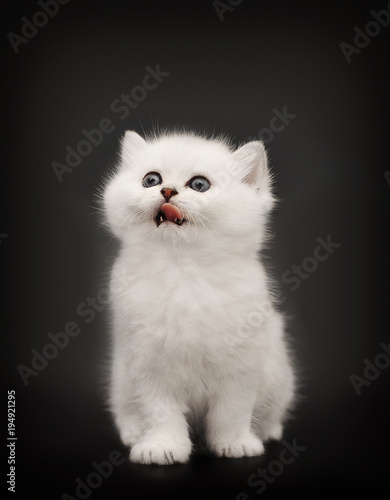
(196, 340)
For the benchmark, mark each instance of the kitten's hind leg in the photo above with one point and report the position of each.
(129, 429)
(276, 386)
(271, 410)
(275, 432)
(274, 400)
(122, 405)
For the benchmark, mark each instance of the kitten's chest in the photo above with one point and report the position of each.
(184, 299)
(185, 318)
(183, 294)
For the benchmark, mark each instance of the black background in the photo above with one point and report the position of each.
(329, 162)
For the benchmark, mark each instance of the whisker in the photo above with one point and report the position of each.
(202, 219)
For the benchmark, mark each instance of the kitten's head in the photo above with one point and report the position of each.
(183, 188)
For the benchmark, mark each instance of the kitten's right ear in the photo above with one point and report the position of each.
(131, 142)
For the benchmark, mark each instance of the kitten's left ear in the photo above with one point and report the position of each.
(252, 159)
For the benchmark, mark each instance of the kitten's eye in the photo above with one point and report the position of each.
(151, 179)
(199, 184)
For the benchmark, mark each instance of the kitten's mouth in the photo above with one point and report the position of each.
(169, 213)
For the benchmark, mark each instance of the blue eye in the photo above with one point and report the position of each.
(151, 179)
(199, 184)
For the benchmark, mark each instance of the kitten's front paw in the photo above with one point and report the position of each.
(250, 446)
(160, 452)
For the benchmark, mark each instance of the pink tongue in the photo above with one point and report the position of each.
(170, 211)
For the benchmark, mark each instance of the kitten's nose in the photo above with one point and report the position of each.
(168, 193)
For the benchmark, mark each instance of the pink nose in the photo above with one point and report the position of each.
(168, 193)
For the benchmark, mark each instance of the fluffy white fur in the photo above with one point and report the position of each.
(197, 343)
